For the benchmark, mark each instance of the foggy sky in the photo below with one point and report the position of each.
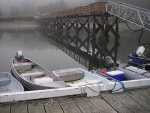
(31, 6)
(6, 5)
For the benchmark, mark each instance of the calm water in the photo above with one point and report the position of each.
(34, 46)
(40, 49)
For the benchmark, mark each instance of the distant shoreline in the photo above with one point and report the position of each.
(18, 25)
(32, 25)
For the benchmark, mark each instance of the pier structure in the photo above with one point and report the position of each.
(93, 20)
(99, 22)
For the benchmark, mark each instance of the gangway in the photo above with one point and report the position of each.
(136, 15)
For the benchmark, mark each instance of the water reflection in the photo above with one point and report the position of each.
(89, 56)
(56, 54)
(34, 46)
(91, 53)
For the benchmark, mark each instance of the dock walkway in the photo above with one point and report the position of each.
(137, 102)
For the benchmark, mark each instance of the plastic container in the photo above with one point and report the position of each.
(140, 50)
(42, 80)
(116, 74)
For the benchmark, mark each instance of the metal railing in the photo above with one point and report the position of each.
(136, 15)
(95, 7)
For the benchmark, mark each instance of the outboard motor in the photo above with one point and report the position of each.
(109, 62)
(140, 50)
(19, 55)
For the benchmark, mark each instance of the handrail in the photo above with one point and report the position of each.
(95, 7)
(136, 15)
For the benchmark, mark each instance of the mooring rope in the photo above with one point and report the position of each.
(47, 103)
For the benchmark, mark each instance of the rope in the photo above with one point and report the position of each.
(122, 87)
(115, 80)
(131, 28)
(113, 87)
(94, 90)
(140, 36)
(83, 89)
(47, 103)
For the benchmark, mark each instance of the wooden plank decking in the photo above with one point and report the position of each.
(137, 102)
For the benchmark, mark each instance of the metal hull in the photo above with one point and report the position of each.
(9, 84)
(32, 86)
(137, 60)
(27, 84)
(134, 73)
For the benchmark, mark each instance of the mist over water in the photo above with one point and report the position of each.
(34, 7)
(39, 48)
(35, 46)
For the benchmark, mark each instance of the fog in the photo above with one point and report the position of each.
(36, 7)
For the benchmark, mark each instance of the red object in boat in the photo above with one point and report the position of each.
(102, 72)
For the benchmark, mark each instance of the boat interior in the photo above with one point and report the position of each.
(33, 72)
(79, 77)
(8, 84)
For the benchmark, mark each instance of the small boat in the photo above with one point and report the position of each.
(137, 61)
(9, 84)
(33, 76)
(79, 77)
(139, 58)
(125, 73)
(133, 73)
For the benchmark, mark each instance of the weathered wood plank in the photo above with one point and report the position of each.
(35, 107)
(53, 107)
(68, 105)
(85, 105)
(119, 106)
(132, 104)
(101, 105)
(148, 89)
(144, 92)
(5, 108)
(19, 108)
(140, 99)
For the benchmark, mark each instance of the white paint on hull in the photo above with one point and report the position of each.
(90, 90)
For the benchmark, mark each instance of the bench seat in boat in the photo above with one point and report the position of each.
(71, 75)
(33, 74)
(23, 66)
(4, 81)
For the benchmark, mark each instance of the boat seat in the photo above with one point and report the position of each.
(33, 74)
(4, 81)
(23, 66)
(71, 75)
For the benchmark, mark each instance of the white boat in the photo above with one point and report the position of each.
(134, 73)
(74, 81)
(9, 84)
(33, 76)
(130, 72)
(86, 77)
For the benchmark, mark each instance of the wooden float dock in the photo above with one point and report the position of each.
(137, 102)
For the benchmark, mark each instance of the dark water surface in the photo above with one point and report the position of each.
(40, 49)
